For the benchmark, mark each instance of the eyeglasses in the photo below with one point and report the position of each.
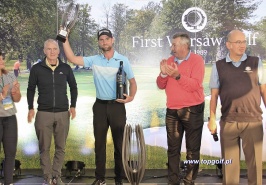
(239, 42)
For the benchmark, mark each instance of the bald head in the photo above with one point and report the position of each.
(236, 44)
(233, 34)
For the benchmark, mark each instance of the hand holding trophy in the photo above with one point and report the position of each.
(68, 21)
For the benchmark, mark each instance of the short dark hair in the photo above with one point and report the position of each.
(184, 38)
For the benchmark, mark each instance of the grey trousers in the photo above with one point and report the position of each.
(251, 134)
(48, 124)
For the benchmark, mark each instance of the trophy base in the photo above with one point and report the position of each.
(61, 38)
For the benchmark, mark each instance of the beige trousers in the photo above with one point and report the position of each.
(251, 134)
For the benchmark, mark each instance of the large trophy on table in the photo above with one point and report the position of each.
(69, 19)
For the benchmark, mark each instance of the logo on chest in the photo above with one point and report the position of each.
(248, 70)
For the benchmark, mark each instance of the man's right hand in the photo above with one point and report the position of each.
(212, 126)
(31, 115)
(163, 64)
(68, 31)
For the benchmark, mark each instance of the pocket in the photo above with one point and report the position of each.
(197, 108)
(171, 111)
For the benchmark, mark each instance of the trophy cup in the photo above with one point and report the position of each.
(68, 21)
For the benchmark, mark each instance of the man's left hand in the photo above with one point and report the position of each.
(128, 99)
(172, 70)
(212, 126)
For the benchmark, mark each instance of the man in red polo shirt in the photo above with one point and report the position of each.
(182, 76)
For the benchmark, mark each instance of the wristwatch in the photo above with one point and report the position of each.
(178, 77)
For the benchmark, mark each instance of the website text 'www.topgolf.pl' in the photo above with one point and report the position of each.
(209, 161)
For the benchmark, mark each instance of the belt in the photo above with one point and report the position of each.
(106, 101)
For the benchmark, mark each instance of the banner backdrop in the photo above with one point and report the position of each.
(143, 31)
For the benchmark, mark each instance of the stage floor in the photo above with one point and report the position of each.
(156, 176)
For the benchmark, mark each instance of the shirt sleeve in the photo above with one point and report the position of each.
(214, 79)
(73, 87)
(31, 88)
(88, 61)
(261, 73)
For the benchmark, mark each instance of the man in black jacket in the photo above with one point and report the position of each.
(51, 77)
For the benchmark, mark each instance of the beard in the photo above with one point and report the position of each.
(107, 48)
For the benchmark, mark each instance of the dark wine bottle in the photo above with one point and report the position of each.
(124, 81)
(119, 82)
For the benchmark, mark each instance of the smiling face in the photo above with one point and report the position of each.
(236, 43)
(51, 50)
(179, 48)
(105, 43)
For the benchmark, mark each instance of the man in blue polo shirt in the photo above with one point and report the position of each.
(107, 110)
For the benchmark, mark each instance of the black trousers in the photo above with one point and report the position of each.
(188, 120)
(105, 114)
(16, 72)
(9, 138)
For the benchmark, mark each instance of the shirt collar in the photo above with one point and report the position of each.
(179, 61)
(49, 65)
(115, 56)
(228, 59)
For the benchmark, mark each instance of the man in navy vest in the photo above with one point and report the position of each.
(238, 81)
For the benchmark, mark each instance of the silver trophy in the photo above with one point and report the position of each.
(69, 19)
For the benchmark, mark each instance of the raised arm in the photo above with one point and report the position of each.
(78, 60)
